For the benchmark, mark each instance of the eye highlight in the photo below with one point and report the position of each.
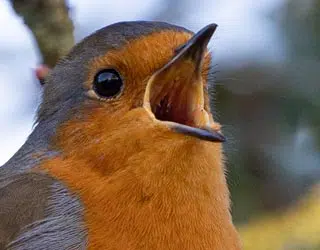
(107, 83)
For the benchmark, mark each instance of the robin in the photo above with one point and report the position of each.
(125, 153)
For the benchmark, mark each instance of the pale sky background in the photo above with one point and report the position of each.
(244, 32)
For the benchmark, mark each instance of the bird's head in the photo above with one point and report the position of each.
(130, 88)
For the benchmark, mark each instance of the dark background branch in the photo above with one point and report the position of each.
(50, 24)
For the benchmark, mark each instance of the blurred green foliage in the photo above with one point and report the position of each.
(297, 228)
(273, 109)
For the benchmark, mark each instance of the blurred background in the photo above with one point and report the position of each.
(266, 55)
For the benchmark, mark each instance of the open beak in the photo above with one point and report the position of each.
(175, 93)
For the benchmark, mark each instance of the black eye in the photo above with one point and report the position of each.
(107, 83)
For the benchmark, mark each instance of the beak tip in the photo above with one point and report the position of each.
(212, 26)
(208, 30)
(221, 138)
(216, 136)
(197, 45)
